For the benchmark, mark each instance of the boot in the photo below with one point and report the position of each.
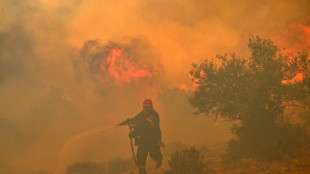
(142, 171)
(158, 163)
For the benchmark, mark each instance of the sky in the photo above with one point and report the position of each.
(70, 70)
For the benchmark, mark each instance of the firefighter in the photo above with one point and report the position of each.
(147, 134)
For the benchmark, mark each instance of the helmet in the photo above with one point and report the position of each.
(147, 103)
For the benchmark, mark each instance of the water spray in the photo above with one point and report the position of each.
(129, 122)
(74, 139)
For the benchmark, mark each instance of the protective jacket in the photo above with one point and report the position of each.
(147, 130)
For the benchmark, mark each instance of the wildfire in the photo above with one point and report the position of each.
(114, 62)
(184, 87)
(295, 38)
(298, 78)
(194, 85)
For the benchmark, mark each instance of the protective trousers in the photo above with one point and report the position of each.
(143, 151)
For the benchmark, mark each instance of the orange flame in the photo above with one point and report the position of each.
(298, 78)
(117, 64)
(295, 38)
(194, 85)
(184, 87)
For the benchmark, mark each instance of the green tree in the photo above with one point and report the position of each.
(255, 94)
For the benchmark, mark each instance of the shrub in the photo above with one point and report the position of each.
(119, 165)
(85, 168)
(188, 161)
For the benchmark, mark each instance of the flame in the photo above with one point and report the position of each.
(184, 87)
(298, 78)
(293, 39)
(194, 85)
(115, 62)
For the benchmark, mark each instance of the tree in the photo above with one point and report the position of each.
(255, 94)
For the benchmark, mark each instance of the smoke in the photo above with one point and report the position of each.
(67, 67)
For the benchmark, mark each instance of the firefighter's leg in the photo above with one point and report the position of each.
(142, 153)
(156, 155)
(142, 170)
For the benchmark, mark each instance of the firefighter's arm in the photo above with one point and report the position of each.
(132, 125)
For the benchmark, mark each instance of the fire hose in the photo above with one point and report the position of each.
(127, 122)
